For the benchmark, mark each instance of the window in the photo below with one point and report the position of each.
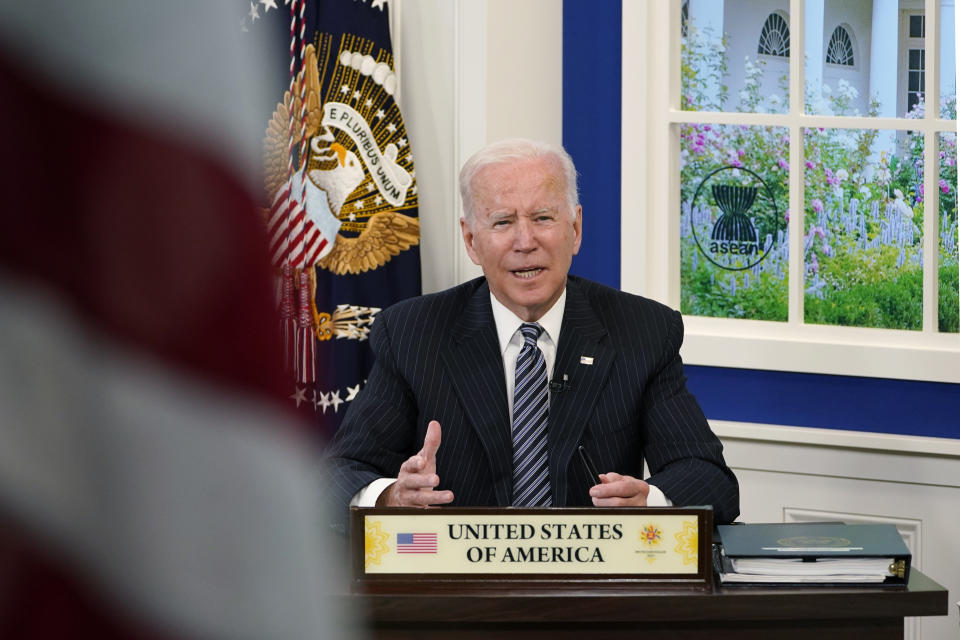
(818, 236)
(915, 60)
(840, 49)
(775, 37)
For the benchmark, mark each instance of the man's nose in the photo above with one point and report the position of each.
(525, 238)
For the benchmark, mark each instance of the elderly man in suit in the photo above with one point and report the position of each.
(519, 368)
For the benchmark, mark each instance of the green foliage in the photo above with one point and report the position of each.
(891, 304)
(949, 298)
(863, 208)
(764, 299)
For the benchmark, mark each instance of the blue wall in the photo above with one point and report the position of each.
(591, 133)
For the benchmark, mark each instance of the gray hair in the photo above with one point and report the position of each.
(508, 151)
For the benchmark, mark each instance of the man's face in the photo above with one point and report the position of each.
(523, 234)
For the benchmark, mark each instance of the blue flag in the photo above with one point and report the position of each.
(341, 193)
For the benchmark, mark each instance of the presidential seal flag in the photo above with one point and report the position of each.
(340, 193)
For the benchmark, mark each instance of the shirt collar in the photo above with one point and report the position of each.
(507, 321)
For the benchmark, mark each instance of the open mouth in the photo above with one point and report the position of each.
(528, 273)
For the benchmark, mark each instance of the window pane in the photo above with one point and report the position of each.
(949, 277)
(859, 58)
(916, 27)
(863, 244)
(734, 196)
(948, 61)
(735, 56)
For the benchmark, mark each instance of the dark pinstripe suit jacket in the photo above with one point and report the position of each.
(438, 358)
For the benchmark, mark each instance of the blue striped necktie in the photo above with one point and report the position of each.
(531, 472)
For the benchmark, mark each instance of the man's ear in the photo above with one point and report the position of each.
(468, 240)
(577, 230)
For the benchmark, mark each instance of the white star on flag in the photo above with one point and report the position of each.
(368, 103)
(358, 205)
(324, 402)
(352, 217)
(356, 95)
(370, 187)
(269, 4)
(379, 114)
(352, 392)
(335, 400)
(391, 127)
(401, 142)
(300, 395)
(378, 200)
(345, 89)
(253, 12)
(378, 4)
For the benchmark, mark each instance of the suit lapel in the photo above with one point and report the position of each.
(581, 337)
(475, 368)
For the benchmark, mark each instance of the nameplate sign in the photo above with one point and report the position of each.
(531, 544)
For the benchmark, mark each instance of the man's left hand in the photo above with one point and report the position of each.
(616, 490)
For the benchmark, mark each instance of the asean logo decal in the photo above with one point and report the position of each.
(651, 535)
(742, 215)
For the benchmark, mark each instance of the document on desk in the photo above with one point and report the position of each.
(812, 553)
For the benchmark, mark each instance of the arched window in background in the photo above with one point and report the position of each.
(840, 49)
(775, 37)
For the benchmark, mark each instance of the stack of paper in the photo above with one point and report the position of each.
(787, 570)
(812, 553)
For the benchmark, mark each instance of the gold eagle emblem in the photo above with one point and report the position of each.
(356, 154)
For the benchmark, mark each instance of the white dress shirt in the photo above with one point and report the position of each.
(511, 341)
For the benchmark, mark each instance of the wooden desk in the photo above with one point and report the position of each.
(726, 612)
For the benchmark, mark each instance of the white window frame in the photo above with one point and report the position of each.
(650, 206)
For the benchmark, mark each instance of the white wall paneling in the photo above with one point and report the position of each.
(791, 474)
(472, 71)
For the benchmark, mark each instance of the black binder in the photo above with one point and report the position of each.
(811, 542)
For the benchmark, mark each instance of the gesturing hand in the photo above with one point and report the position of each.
(418, 477)
(616, 490)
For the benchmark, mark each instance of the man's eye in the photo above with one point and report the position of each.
(501, 223)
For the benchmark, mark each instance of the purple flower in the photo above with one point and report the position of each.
(944, 187)
(783, 164)
(786, 215)
(817, 205)
(809, 164)
(832, 180)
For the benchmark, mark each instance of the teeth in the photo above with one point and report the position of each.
(529, 273)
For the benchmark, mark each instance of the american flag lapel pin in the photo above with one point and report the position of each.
(586, 359)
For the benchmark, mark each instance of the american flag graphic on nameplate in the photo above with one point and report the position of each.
(416, 543)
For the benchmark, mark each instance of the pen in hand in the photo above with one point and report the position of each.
(588, 464)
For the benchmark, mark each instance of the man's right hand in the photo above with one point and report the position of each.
(418, 477)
